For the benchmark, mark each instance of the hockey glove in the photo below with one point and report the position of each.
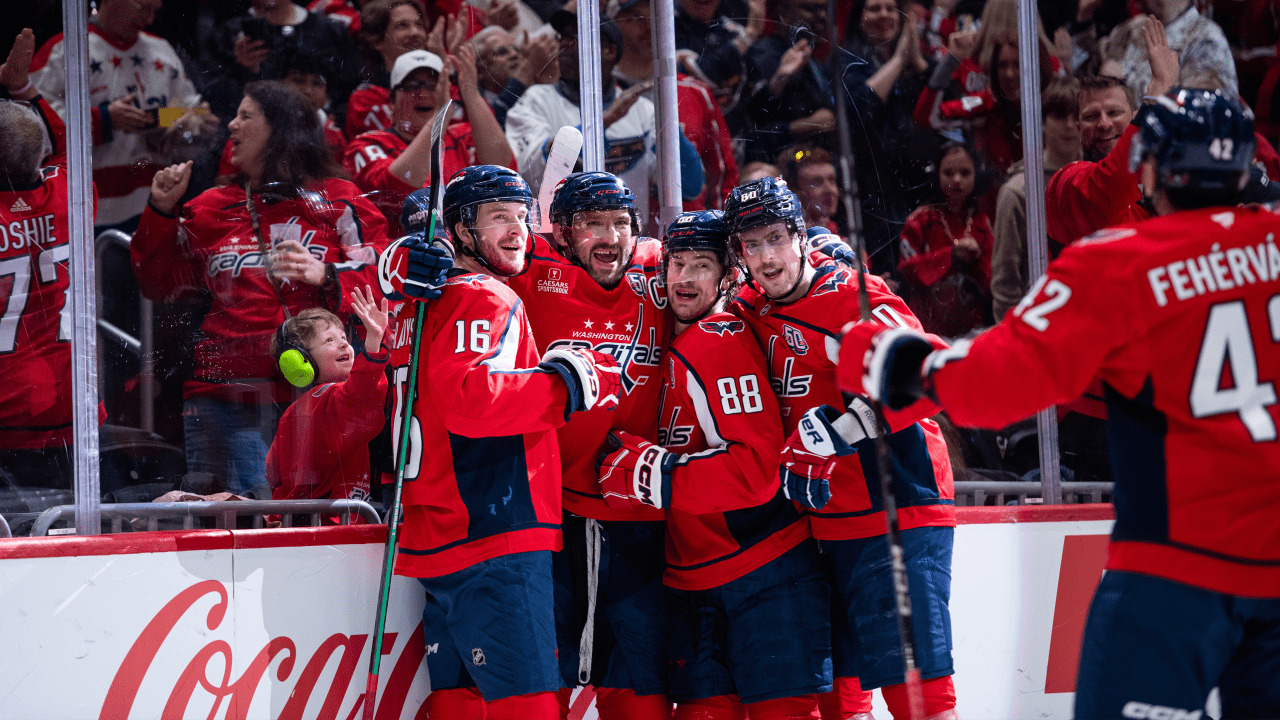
(636, 473)
(809, 456)
(428, 268)
(886, 363)
(835, 248)
(594, 378)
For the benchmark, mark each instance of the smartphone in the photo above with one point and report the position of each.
(256, 29)
(154, 114)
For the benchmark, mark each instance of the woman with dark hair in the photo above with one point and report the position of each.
(388, 29)
(287, 233)
(946, 250)
(883, 75)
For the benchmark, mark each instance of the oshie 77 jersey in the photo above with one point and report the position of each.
(800, 341)
(728, 515)
(482, 478)
(631, 322)
(1180, 317)
(35, 309)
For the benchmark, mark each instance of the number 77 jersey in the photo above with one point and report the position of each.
(1180, 318)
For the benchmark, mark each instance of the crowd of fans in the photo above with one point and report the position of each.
(319, 112)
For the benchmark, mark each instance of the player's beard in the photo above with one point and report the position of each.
(607, 279)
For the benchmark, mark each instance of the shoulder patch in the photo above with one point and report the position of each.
(722, 327)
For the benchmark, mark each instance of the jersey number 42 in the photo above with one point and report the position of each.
(1228, 344)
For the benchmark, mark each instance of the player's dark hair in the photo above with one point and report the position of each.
(375, 18)
(296, 151)
(1098, 83)
(302, 328)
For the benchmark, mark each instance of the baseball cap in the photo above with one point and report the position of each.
(411, 61)
(562, 19)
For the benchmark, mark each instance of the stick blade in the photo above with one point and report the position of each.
(560, 161)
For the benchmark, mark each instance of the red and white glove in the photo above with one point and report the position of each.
(884, 363)
(636, 473)
(594, 378)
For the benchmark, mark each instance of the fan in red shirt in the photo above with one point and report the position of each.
(35, 330)
(391, 28)
(390, 164)
(946, 252)
(1191, 599)
(321, 448)
(303, 239)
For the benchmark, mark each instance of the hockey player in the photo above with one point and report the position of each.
(482, 481)
(35, 353)
(1191, 599)
(742, 568)
(796, 311)
(390, 164)
(595, 286)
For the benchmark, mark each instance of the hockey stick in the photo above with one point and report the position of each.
(406, 415)
(560, 160)
(893, 535)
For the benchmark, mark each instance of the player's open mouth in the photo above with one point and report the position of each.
(686, 295)
(605, 257)
(771, 274)
(344, 358)
(424, 108)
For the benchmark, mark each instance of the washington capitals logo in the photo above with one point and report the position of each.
(630, 354)
(722, 327)
(795, 340)
(830, 283)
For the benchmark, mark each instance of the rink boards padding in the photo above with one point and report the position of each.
(275, 623)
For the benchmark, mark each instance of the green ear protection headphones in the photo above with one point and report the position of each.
(293, 360)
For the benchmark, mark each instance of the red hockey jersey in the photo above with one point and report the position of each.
(800, 341)
(631, 323)
(321, 448)
(35, 327)
(1180, 317)
(728, 515)
(368, 108)
(1085, 197)
(483, 474)
(213, 247)
(369, 156)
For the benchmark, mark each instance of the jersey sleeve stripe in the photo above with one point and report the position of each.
(504, 356)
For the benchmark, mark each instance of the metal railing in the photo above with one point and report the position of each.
(978, 492)
(226, 512)
(142, 346)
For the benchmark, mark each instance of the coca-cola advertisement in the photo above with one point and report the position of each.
(277, 624)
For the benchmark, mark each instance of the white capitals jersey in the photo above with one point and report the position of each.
(629, 143)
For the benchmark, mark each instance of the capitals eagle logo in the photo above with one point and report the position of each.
(723, 327)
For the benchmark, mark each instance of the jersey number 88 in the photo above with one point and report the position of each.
(750, 401)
